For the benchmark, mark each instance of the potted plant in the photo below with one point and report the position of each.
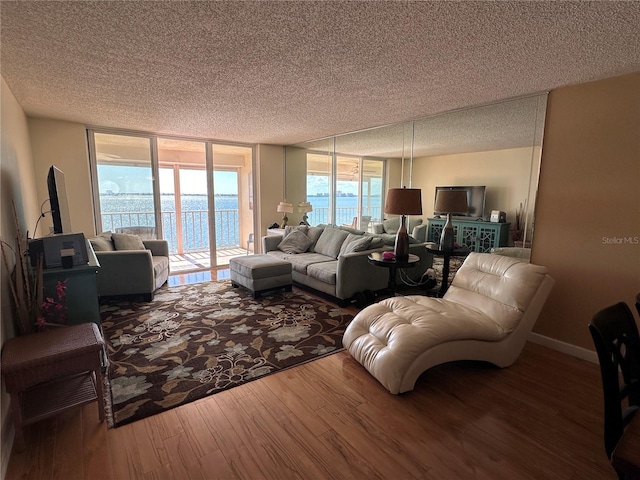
(25, 282)
(517, 229)
(32, 311)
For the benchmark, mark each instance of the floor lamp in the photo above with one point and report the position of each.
(450, 201)
(403, 201)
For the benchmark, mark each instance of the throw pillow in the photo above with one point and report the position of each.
(356, 245)
(377, 241)
(378, 228)
(330, 242)
(125, 241)
(102, 242)
(352, 230)
(290, 228)
(392, 225)
(388, 238)
(295, 242)
(314, 234)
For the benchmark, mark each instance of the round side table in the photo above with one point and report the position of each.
(376, 259)
(434, 249)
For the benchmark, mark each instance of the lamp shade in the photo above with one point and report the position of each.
(403, 201)
(451, 201)
(284, 207)
(304, 207)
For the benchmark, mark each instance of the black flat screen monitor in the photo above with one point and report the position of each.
(475, 200)
(58, 200)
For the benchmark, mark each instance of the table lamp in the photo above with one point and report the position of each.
(304, 208)
(450, 201)
(403, 201)
(284, 208)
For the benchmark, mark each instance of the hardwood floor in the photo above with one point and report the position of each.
(329, 419)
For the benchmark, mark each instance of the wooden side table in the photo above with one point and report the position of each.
(48, 372)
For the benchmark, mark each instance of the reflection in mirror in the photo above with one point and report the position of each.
(373, 169)
(497, 146)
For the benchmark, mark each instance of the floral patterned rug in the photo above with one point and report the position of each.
(195, 340)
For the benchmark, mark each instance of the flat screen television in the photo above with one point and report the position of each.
(475, 200)
(58, 201)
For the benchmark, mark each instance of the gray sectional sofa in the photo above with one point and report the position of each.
(333, 260)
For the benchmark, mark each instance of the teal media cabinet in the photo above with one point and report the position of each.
(82, 304)
(476, 235)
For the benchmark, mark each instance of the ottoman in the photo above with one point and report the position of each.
(260, 273)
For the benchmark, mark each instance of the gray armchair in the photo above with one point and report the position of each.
(136, 271)
(415, 228)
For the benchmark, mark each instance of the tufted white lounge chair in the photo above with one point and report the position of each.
(486, 314)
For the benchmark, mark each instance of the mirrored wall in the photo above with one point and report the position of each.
(497, 146)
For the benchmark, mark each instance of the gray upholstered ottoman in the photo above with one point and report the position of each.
(260, 273)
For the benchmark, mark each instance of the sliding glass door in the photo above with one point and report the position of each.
(347, 191)
(124, 199)
(201, 202)
(319, 187)
(371, 193)
(184, 197)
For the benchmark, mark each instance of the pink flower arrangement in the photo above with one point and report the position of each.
(54, 311)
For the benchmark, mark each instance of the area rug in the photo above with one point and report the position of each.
(196, 340)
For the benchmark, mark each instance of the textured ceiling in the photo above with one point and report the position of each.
(510, 124)
(286, 72)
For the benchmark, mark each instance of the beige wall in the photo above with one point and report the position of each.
(64, 144)
(588, 211)
(296, 178)
(505, 173)
(269, 188)
(17, 186)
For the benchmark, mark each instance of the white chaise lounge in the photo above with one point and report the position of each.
(486, 314)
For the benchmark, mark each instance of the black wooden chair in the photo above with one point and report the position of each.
(617, 342)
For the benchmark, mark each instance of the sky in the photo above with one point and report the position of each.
(319, 184)
(118, 179)
(122, 179)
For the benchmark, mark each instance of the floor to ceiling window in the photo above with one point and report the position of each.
(124, 184)
(371, 192)
(185, 201)
(319, 187)
(344, 191)
(200, 203)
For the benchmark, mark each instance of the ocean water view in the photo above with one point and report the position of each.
(128, 210)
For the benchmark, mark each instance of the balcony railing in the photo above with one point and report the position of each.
(344, 215)
(192, 236)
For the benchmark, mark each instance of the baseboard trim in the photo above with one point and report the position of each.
(573, 350)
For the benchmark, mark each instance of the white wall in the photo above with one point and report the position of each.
(17, 185)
